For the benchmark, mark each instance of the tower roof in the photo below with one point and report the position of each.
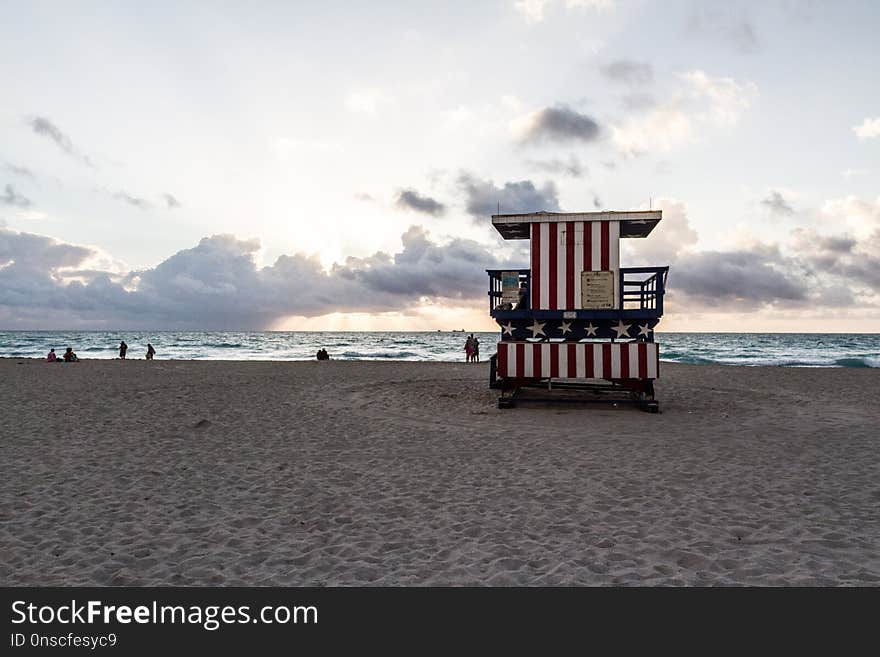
(633, 223)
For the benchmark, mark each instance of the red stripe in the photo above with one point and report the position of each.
(536, 360)
(643, 360)
(502, 360)
(551, 265)
(554, 360)
(588, 246)
(588, 360)
(536, 265)
(520, 360)
(572, 362)
(606, 360)
(606, 241)
(569, 265)
(624, 361)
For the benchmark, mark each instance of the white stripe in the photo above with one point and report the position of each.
(596, 256)
(615, 360)
(578, 261)
(580, 364)
(561, 265)
(527, 354)
(511, 360)
(598, 350)
(545, 359)
(633, 360)
(563, 361)
(544, 263)
(614, 255)
(652, 360)
(614, 245)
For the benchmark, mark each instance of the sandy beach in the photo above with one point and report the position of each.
(391, 473)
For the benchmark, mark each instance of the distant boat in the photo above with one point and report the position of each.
(458, 330)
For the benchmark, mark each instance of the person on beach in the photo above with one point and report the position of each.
(51, 358)
(69, 356)
(468, 349)
(122, 349)
(150, 351)
(322, 354)
(475, 345)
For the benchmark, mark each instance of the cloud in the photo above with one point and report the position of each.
(45, 128)
(170, 201)
(24, 172)
(861, 216)
(672, 237)
(628, 72)
(217, 284)
(840, 255)
(409, 199)
(531, 10)
(139, 203)
(559, 123)
(736, 279)
(777, 204)
(726, 23)
(13, 198)
(698, 102)
(571, 167)
(869, 129)
(483, 198)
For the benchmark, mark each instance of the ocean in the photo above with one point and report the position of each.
(787, 349)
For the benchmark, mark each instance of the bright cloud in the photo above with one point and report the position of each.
(869, 129)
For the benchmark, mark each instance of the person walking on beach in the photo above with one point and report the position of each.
(122, 349)
(150, 351)
(468, 349)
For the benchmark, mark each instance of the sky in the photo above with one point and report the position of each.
(334, 165)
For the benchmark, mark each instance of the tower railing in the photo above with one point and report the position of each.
(640, 292)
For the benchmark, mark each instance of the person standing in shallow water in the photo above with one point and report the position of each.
(150, 351)
(122, 349)
(468, 349)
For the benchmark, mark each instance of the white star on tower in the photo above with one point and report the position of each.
(507, 328)
(537, 328)
(566, 327)
(591, 330)
(644, 330)
(622, 329)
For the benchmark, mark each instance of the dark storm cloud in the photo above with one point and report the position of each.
(45, 128)
(217, 284)
(409, 199)
(13, 198)
(561, 123)
(777, 204)
(628, 72)
(737, 278)
(482, 197)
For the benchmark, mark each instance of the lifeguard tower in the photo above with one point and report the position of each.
(576, 319)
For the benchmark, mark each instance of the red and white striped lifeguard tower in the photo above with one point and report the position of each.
(577, 319)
